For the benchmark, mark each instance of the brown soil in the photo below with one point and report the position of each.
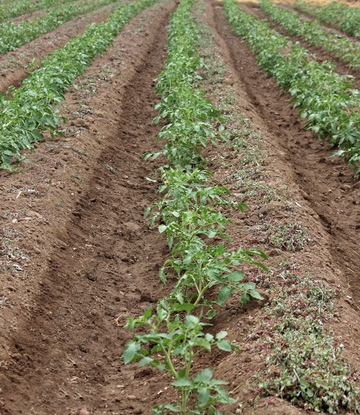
(13, 64)
(90, 259)
(330, 185)
(326, 189)
(329, 28)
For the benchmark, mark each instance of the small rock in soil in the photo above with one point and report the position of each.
(131, 397)
(32, 214)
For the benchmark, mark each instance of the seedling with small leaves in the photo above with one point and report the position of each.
(182, 341)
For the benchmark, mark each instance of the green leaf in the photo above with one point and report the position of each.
(162, 228)
(204, 395)
(183, 307)
(235, 276)
(204, 376)
(172, 408)
(51, 122)
(211, 314)
(181, 383)
(145, 361)
(212, 272)
(223, 294)
(152, 219)
(147, 211)
(176, 194)
(221, 335)
(337, 153)
(225, 397)
(244, 298)
(37, 135)
(179, 297)
(309, 393)
(187, 259)
(161, 312)
(248, 286)
(148, 312)
(256, 294)
(224, 345)
(131, 349)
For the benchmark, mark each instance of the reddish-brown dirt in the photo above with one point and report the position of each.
(327, 183)
(89, 259)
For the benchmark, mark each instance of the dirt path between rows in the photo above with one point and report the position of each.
(327, 184)
(66, 353)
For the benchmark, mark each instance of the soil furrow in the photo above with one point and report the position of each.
(106, 270)
(326, 183)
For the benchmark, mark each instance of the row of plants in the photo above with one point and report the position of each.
(347, 18)
(189, 214)
(328, 100)
(18, 8)
(12, 35)
(27, 112)
(312, 32)
(303, 361)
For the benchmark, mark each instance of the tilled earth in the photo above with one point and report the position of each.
(328, 184)
(84, 257)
